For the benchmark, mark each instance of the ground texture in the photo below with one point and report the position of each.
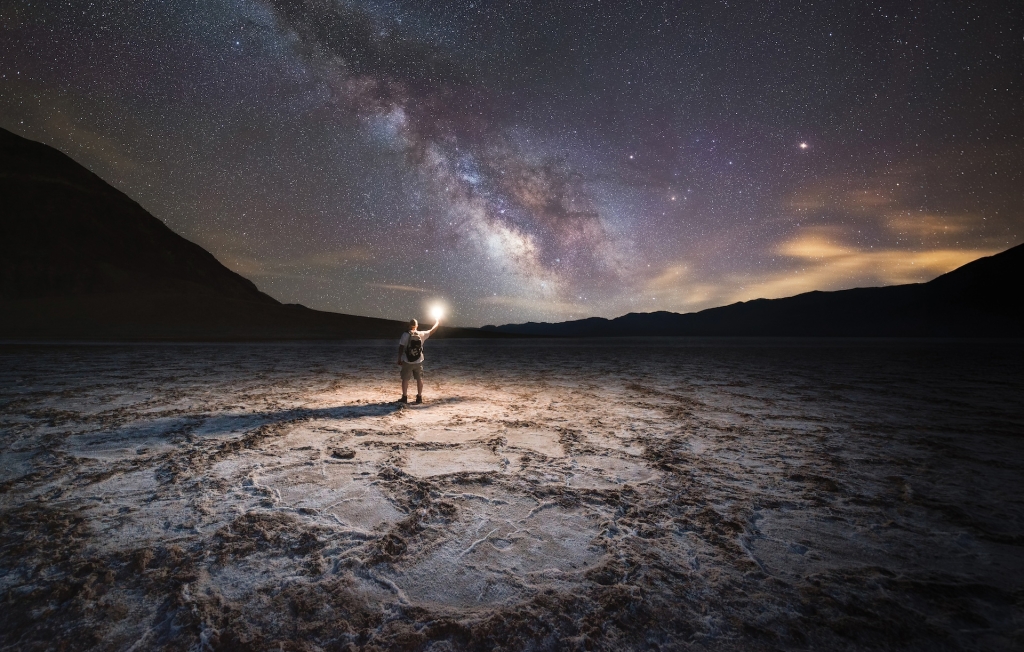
(611, 495)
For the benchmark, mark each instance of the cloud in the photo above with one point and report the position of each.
(933, 201)
(824, 264)
(817, 258)
(850, 195)
(554, 309)
(299, 267)
(869, 229)
(397, 288)
(338, 258)
(922, 224)
(679, 288)
(814, 243)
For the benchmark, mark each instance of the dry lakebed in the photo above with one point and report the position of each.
(639, 494)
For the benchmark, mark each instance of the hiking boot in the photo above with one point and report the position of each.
(419, 399)
(404, 399)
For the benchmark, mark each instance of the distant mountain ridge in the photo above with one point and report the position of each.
(984, 298)
(81, 260)
(67, 232)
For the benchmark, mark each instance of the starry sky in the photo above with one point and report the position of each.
(542, 160)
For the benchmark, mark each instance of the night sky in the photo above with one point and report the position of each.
(541, 160)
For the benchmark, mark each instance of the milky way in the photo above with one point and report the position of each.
(541, 160)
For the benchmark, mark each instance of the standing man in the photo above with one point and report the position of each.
(410, 358)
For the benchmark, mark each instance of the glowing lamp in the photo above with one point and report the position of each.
(437, 312)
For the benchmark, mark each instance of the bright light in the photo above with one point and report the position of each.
(437, 312)
(803, 145)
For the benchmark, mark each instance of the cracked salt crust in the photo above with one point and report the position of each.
(789, 496)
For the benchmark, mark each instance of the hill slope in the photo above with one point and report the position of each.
(79, 259)
(984, 298)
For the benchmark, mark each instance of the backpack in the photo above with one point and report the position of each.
(414, 349)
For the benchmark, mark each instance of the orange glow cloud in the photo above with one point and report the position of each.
(815, 259)
(822, 262)
(929, 224)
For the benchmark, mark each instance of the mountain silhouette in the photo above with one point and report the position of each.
(80, 259)
(984, 298)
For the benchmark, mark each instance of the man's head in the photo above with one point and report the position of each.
(413, 324)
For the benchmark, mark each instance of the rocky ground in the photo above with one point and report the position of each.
(612, 495)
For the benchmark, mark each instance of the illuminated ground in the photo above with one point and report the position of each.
(549, 495)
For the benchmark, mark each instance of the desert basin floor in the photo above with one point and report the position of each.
(704, 494)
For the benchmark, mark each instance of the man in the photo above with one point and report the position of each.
(410, 357)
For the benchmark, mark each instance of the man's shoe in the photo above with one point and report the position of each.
(419, 399)
(404, 399)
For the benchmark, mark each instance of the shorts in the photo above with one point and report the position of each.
(412, 370)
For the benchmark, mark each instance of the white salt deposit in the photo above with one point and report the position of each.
(750, 495)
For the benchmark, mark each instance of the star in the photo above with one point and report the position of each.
(364, 119)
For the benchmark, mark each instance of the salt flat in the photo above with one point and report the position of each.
(602, 494)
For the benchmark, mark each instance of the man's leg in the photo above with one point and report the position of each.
(419, 385)
(406, 372)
